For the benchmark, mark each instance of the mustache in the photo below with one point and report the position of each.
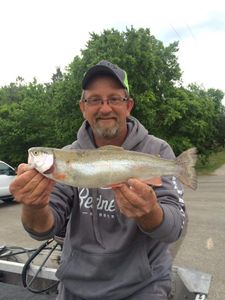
(105, 116)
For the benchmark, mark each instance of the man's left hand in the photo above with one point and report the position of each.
(138, 200)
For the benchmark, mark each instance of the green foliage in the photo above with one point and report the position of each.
(34, 114)
(65, 95)
(25, 123)
(213, 162)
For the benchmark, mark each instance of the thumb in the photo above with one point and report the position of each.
(22, 168)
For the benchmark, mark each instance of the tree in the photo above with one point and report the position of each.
(217, 96)
(48, 114)
(58, 75)
(152, 68)
(26, 123)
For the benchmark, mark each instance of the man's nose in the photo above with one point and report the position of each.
(105, 107)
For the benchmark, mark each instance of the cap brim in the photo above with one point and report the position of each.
(98, 70)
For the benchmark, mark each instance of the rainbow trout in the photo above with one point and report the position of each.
(109, 166)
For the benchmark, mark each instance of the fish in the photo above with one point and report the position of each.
(110, 166)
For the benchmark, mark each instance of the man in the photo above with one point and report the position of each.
(116, 242)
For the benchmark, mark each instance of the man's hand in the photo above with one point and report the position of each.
(30, 187)
(137, 200)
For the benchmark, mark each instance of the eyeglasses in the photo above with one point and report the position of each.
(113, 101)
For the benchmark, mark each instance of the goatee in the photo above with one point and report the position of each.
(107, 133)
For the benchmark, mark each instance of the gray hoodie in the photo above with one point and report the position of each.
(106, 255)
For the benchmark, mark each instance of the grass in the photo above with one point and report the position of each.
(215, 161)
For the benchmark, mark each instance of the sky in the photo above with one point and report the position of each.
(37, 36)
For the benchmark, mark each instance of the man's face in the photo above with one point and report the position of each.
(107, 121)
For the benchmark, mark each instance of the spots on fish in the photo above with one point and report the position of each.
(209, 244)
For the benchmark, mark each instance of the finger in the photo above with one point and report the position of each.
(123, 204)
(39, 197)
(126, 208)
(137, 200)
(23, 179)
(142, 189)
(23, 168)
(44, 186)
(37, 187)
(31, 183)
(30, 186)
(39, 202)
(130, 195)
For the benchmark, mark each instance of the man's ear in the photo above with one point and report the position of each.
(130, 105)
(82, 107)
(81, 103)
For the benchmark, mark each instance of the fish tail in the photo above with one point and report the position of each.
(187, 174)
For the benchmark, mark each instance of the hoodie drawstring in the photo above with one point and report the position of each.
(97, 233)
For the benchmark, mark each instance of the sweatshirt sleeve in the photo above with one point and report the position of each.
(61, 201)
(170, 198)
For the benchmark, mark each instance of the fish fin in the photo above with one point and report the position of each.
(113, 185)
(187, 174)
(59, 176)
(111, 147)
(155, 181)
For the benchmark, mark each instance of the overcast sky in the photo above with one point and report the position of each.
(39, 35)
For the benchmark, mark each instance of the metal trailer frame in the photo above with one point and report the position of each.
(188, 284)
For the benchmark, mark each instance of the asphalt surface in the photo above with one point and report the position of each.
(202, 249)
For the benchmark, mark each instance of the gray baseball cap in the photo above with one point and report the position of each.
(106, 67)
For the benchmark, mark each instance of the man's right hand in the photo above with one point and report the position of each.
(31, 188)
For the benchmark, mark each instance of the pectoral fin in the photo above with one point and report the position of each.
(113, 185)
(154, 181)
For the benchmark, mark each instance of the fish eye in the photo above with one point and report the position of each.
(36, 153)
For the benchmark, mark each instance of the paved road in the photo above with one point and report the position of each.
(11, 229)
(203, 247)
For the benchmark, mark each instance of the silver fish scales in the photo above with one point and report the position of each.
(110, 166)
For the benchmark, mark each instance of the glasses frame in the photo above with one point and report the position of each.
(100, 102)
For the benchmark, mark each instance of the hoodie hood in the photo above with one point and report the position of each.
(136, 134)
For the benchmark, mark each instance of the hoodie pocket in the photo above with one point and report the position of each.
(106, 275)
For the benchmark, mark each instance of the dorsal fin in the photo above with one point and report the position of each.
(111, 147)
